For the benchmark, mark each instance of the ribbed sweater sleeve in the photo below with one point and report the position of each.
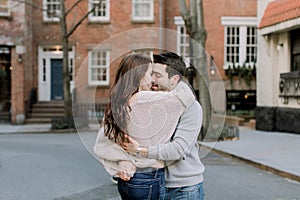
(110, 153)
(186, 134)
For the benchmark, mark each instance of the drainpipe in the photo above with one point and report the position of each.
(160, 25)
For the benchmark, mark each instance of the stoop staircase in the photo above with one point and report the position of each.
(4, 117)
(44, 111)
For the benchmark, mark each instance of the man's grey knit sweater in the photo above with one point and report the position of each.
(184, 167)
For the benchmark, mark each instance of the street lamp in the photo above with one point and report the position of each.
(213, 68)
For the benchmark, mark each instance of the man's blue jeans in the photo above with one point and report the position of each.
(187, 193)
(143, 186)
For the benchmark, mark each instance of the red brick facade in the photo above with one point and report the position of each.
(89, 34)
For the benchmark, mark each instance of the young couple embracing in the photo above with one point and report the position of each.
(149, 134)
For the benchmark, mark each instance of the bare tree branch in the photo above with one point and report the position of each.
(82, 18)
(185, 15)
(194, 18)
(73, 6)
(78, 23)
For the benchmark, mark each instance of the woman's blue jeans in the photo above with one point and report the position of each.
(143, 186)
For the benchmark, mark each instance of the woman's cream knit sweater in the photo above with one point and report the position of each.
(153, 119)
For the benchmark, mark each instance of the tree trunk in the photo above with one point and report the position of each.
(194, 21)
(66, 73)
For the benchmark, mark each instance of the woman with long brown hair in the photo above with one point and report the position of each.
(148, 117)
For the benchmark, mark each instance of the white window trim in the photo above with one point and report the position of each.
(242, 23)
(178, 20)
(100, 18)
(143, 19)
(45, 16)
(100, 83)
(8, 7)
(239, 21)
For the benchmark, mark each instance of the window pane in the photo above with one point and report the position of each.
(53, 7)
(99, 69)
(184, 50)
(142, 8)
(3, 6)
(251, 46)
(100, 9)
(232, 44)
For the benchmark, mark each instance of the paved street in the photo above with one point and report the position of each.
(48, 166)
(57, 166)
(228, 178)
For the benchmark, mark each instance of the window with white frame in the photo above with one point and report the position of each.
(251, 45)
(101, 11)
(240, 41)
(52, 10)
(98, 67)
(4, 8)
(183, 40)
(142, 10)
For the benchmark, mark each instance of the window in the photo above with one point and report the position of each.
(232, 44)
(251, 45)
(52, 8)
(183, 40)
(240, 41)
(240, 45)
(101, 12)
(4, 8)
(99, 67)
(142, 10)
(295, 51)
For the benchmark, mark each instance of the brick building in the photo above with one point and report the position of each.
(13, 37)
(231, 27)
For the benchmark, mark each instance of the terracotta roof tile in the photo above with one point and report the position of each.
(279, 11)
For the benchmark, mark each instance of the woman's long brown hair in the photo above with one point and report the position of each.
(131, 70)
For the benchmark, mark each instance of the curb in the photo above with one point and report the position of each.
(256, 164)
(48, 131)
(39, 131)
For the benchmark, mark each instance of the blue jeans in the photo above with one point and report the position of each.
(143, 186)
(185, 193)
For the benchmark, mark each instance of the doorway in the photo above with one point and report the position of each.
(57, 91)
(5, 84)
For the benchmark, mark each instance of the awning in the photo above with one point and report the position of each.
(279, 11)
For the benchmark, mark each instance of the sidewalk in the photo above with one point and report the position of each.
(273, 151)
(26, 128)
(36, 128)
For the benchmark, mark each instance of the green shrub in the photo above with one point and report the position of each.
(62, 123)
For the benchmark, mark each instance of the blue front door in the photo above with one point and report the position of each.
(57, 92)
